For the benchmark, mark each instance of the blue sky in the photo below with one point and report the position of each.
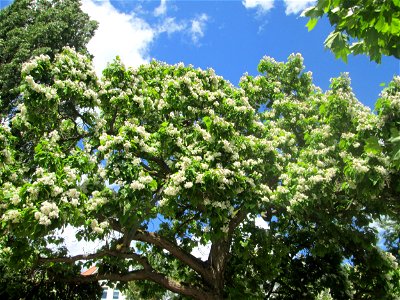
(229, 36)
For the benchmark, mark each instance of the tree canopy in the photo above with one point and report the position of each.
(158, 160)
(29, 28)
(360, 27)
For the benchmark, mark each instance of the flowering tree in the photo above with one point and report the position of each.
(161, 159)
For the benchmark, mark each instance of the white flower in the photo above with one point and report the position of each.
(33, 191)
(188, 185)
(98, 228)
(163, 201)
(178, 178)
(74, 202)
(200, 178)
(136, 185)
(15, 199)
(12, 215)
(171, 190)
(360, 165)
(49, 209)
(145, 179)
(316, 178)
(56, 191)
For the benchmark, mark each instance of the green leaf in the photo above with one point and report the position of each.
(313, 12)
(381, 25)
(311, 24)
(395, 26)
(337, 43)
(207, 120)
(153, 185)
(357, 48)
(372, 145)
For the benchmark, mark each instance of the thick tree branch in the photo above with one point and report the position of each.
(144, 274)
(147, 273)
(193, 262)
(234, 222)
(159, 161)
(140, 259)
(219, 252)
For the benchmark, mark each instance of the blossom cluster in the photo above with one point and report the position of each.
(48, 211)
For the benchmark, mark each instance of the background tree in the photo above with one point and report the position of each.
(43, 283)
(29, 28)
(161, 159)
(34, 27)
(360, 27)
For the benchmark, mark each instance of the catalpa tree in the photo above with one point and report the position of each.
(159, 160)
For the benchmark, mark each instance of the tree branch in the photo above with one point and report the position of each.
(142, 260)
(219, 252)
(144, 274)
(193, 262)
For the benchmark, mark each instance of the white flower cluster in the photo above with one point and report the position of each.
(98, 228)
(137, 185)
(12, 215)
(204, 133)
(48, 211)
(143, 180)
(56, 190)
(71, 175)
(70, 59)
(71, 196)
(96, 201)
(47, 91)
(47, 179)
(228, 147)
(33, 63)
(224, 205)
(360, 165)
(172, 190)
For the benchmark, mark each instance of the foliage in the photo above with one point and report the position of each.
(138, 290)
(360, 27)
(17, 282)
(29, 28)
(159, 160)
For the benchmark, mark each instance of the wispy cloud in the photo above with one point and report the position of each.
(170, 26)
(292, 6)
(197, 28)
(162, 9)
(262, 6)
(297, 6)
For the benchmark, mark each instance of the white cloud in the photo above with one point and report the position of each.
(129, 36)
(297, 6)
(202, 251)
(259, 222)
(197, 27)
(162, 9)
(76, 247)
(118, 34)
(261, 5)
(292, 6)
(170, 25)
